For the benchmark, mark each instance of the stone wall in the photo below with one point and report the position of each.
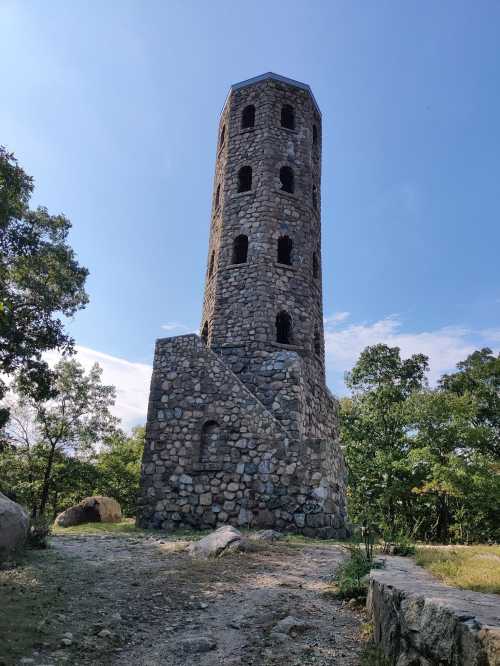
(421, 622)
(214, 454)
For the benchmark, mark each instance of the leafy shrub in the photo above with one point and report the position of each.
(401, 545)
(39, 532)
(350, 576)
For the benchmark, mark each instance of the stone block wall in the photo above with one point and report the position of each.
(215, 454)
(418, 621)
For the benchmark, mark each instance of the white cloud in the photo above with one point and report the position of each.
(176, 328)
(131, 381)
(445, 347)
(336, 317)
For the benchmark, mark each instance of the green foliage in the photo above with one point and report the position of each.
(402, 546)
(50, 444)
(350, 575)
(40, 282)
(118, 468)
(423, 464)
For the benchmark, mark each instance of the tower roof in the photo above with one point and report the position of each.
(276, 77)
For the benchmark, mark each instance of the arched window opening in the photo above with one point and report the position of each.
(211, 267)
(287, 117)
(314, 197)
(285, 245)
(240, 249)
(217, 196)
(315, 135)
(204, 332)
(248, 117)
(245, 179)
(287, 179)
(210, 441)
(222, 136)
(317, 343)
(315, 266)
(283, 328)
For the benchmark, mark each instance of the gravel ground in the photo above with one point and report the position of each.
(143, 601)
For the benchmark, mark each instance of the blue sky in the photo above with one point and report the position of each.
(113, 108)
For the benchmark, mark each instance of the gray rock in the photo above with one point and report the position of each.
(418, 620)
(266, 535)
(289, 625)
(104, 633)
(223, 540)
(14, 524)
(196, 644)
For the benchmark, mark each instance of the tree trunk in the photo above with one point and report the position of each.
(443, 522)
(46, 481)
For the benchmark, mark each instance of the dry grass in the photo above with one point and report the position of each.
(126, 526)
(467, 567)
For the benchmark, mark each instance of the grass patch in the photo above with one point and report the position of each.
(126, 526)
(466, 567)
(373, 656)
(350, 577)
(294, 539)
(29, 593)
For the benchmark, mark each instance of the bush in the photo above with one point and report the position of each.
(401, 545)
(350, 576)
(39, 532)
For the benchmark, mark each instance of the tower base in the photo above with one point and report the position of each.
(215, 455)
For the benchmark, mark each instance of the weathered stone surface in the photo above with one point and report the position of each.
(14, 525)
(239, 416)
(223, 540)
(266, 535)
(91, 510)
(195, 644)
(418, 621)
(290, 625)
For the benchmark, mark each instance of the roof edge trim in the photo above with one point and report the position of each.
(276, 77)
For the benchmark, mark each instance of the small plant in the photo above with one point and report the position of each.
(350, 577)
(39, 532)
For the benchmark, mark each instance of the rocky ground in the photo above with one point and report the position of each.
(142, 600)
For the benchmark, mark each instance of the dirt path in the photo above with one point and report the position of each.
(141, 601)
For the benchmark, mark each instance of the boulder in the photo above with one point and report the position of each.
(91, 510)
(223, 540)
(14, 525)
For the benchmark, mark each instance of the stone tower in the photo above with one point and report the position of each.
(241, 427)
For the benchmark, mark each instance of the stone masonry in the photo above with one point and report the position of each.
(241, 426)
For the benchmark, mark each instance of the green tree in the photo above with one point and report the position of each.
(454, 481)
(423, 462)
(479, 375)
(40, 281)
(119, 466)
(71, 424)
(374, 433)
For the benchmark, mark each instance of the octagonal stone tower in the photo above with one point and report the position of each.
(241, 426)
